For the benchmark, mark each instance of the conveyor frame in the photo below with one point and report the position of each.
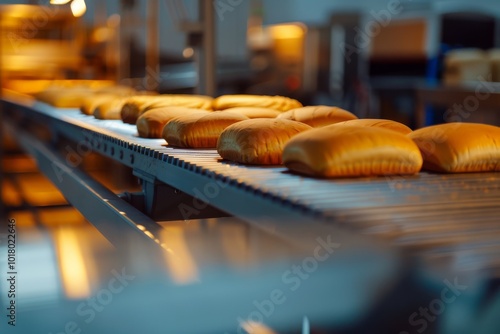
(428, 211)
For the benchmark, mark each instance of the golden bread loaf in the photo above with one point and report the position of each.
(351, 151)
(459, 147)
(150, 124)
(317, 116)
(252, 112)
(110, 109)
(117, 90)
(181, 100)
(134, 106)
(92, 101)
(258, 141)
(35, 86)
(379, 123)
(199, 129)
(64, 97)
(280, 103)
(74, 96)
(137, 105)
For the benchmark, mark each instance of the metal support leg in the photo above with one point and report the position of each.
(201, 37)
(163, 202)
(118, 221)
(207, 52)
(152, 75)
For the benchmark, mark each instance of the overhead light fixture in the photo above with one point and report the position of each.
(78, 8)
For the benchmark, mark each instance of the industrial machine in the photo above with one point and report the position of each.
(202, 245)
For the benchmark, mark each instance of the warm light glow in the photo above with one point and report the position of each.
(149, 234)
(101, 35)
(74, 273)
(188, 52)
(59, 2)
(287, 31)
(234, 241)
(288, 43)
(113, 21)
(78, 8)
(259, 38)
(252, 327)
(180, 262)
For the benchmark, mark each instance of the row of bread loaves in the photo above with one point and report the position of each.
(341, 146)
(317, 141)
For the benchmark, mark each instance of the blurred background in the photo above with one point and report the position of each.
(374, 58)
(419, 62)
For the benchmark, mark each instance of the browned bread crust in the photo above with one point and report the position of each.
(352, 151)
(258, 141)
(199, 130)
(459, 147)
(318, 116)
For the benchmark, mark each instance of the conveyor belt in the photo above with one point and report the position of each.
(426, 210)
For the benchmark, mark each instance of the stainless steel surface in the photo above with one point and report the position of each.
(197, 173)
(217, 271)
(423, 212)
(118, 221)
(201, 36)
(184, 75)
(207, 52)
(212, 276)
(153, 46)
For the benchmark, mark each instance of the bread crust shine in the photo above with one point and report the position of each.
(254, 112)
(64, 98)
(280, 103)
(352, 151)
(110, 109)
(92, 101)
(318, 116)
(199, 130)
(258, 141)
(150, 124)
(137, 105)
(459, 147)
(378, 123)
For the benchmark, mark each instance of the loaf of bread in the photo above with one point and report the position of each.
(92, 101)
(110, 109)
(75, 96)
(181, 100)
(317, 116)
(118, 90)
(64, 97)
(280, 103)
(252, 112)
(459, 147)
(137, 105)
(352, 151)
(150, 124)
(199, 129)
(134, 106)
(258, 141)
(378, 123)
